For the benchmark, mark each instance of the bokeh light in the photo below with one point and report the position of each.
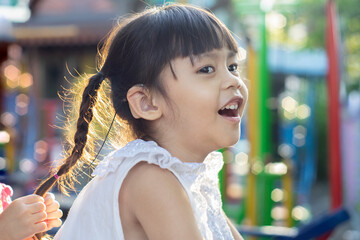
(235, 191)
(303, 111)
(41, 150)
(286, 151)
(26, 80)
(257, 167)
(2, 163)
(277, 195)
(300, 213)
(289, 104)
(241, 166)
(27, 166)
(4, 137)
(12, 72)
(8, 119)
(299, 133)
(278, 168)
(279, 213)
(275, 20)
(22, 103)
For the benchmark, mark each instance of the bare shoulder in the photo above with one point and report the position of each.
(149, 184)
(155, 198)
(151, 175)
(147, 170)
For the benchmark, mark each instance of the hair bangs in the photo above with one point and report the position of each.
(193, 31)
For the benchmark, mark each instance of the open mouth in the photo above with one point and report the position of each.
(229, 112)
(231, 109)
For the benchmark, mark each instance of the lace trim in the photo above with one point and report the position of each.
(152, 153)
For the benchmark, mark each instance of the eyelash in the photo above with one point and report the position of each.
(205, 69)
(235, 69)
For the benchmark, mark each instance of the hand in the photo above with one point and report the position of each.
(28, 215)
(23, 217)
(53, 212)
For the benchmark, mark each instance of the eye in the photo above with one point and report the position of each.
(207, 69)
(233, 67)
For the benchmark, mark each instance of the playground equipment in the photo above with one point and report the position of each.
(313, 229)
(261, 180)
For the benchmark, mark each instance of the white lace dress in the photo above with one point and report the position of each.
(95, 212)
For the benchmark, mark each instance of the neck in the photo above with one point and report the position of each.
(183, 154)
(186, 152)
(193, 148)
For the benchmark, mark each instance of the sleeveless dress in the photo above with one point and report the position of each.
(95, 212)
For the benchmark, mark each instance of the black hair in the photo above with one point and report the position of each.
(136, 52)
(145, 43)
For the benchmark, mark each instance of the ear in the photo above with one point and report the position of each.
(142, 104)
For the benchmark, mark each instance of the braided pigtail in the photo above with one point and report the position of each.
(88, 101)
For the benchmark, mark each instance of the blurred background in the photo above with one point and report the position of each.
(299, 154)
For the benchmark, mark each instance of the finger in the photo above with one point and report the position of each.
(52, 207)
(32, 198)
(53, 223)
(54, 215)
(49, 198)
(31, 228)
(36, 207)
(40, 227)
(38, 217)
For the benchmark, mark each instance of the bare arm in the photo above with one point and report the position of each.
(234, 231)
(159, 203)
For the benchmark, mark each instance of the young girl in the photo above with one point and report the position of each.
(175, 86)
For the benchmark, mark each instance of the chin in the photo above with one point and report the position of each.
(234, 141)
(231, 140)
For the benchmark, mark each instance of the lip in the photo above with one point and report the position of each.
(235, 100)
(236, 119)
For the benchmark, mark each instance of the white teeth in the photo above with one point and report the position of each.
(232, 107)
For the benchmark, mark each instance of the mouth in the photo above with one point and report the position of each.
(231, 109)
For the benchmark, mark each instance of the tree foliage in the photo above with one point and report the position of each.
(311, 16)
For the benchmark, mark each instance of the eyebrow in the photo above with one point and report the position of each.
(199, 57)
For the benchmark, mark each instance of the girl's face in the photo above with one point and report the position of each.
(205, 102)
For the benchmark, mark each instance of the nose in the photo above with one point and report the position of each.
(235, 83)
(232, 81)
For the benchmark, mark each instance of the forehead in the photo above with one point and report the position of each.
(216, 54)
(178, 65)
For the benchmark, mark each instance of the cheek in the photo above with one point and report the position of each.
(244, 90)
(245, 94)
(195, 102)
(171, 112)
(205, 105)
